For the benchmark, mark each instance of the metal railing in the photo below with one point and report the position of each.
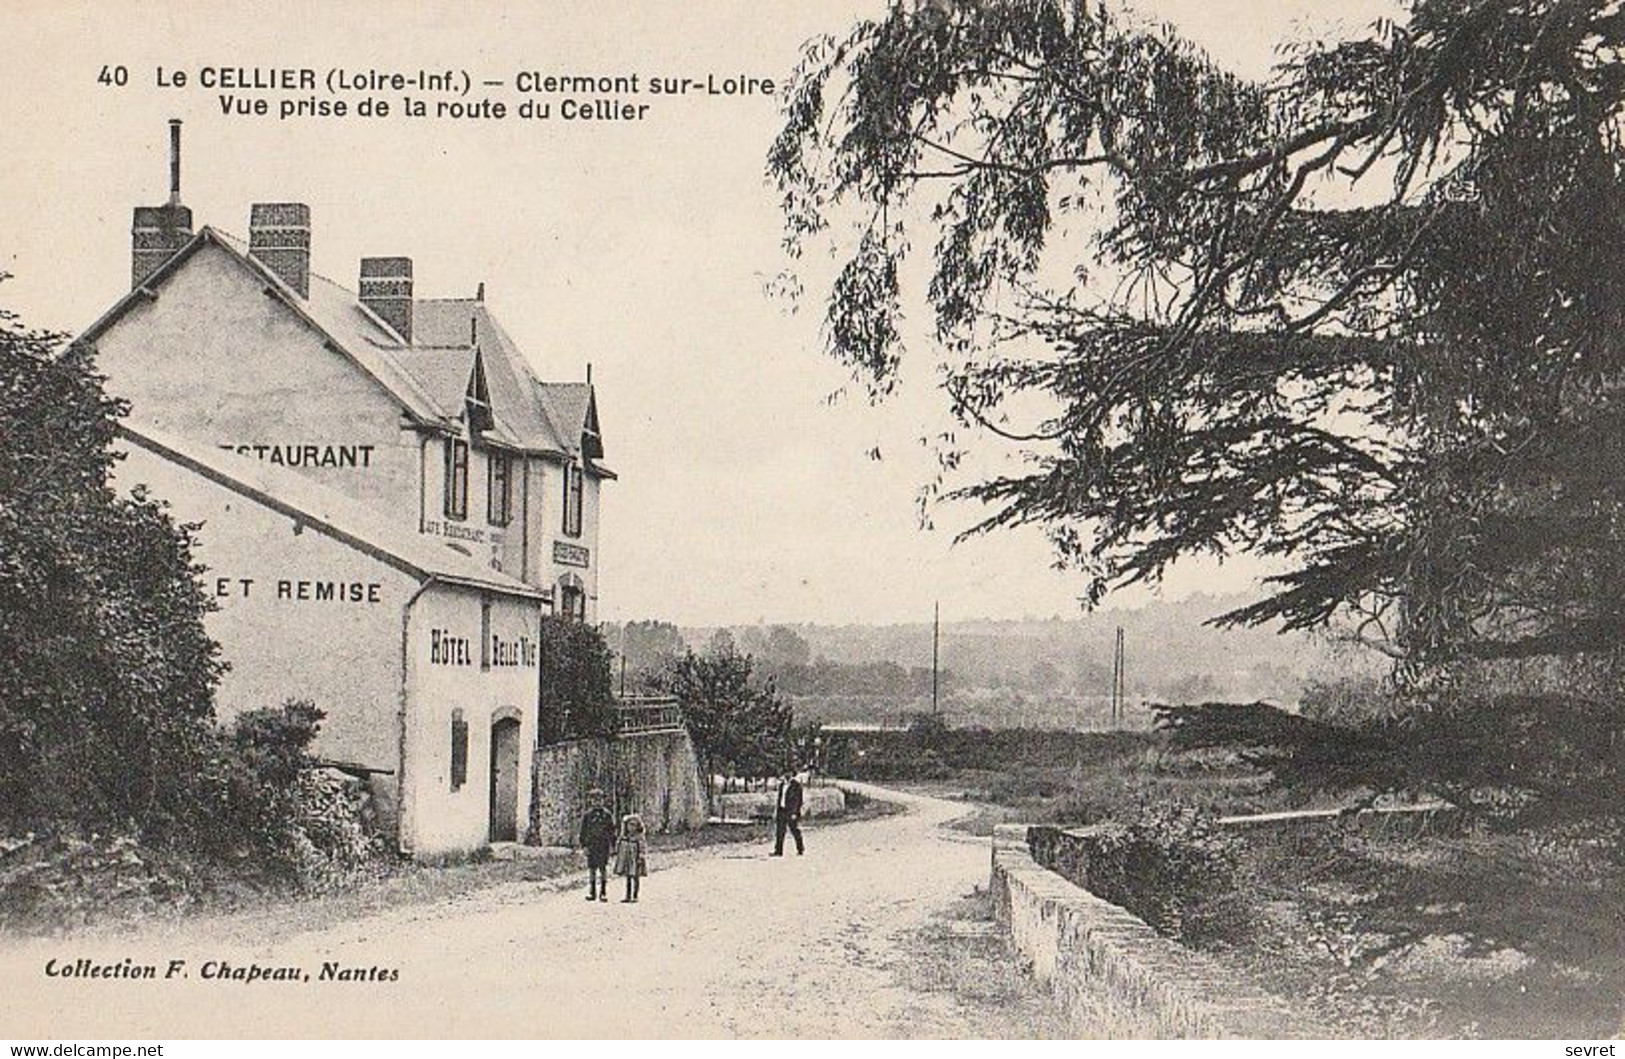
(642, 714)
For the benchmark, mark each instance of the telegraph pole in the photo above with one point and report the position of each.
(623, 638)
(936, 638)
(1119, 684)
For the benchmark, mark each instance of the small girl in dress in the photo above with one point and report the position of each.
(630, 856)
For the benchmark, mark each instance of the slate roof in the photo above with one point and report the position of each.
(328, 511)
(430, 375)
(444, 322)
(573, 410)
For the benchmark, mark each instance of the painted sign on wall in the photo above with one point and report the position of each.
(300, 590)
(447, 649)
(453, 531)
(306, 455)
(566, 554)
(520, 652)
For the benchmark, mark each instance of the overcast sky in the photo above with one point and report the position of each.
(640, 248)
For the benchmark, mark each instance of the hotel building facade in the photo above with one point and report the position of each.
(390, 501)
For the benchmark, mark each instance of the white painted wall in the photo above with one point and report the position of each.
(475, 536)
(547, 529)
(437, 820)
(216, 360)
(345, 656)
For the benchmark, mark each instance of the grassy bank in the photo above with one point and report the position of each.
(1492, 933)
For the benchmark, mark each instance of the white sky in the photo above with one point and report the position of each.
(642, 249)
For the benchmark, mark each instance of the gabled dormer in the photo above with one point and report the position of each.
(592, 438)
(477, 398)
(572, 408)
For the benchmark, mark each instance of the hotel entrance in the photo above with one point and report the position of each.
(505, 779)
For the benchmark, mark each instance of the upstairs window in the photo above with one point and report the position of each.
(573, 490)
(456, 479)
(499, 497)
(572, 598)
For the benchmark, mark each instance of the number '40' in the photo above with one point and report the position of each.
(113, 75)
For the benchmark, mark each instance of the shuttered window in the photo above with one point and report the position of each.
(459, 750)
(456, 479)
(573, 490)
(499, 504)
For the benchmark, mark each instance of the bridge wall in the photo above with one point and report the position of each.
(1111, 973)
(760, 805)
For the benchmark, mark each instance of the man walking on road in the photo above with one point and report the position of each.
(787, 814)
(597, 836)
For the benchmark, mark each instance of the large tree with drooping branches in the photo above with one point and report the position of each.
(1364, 316)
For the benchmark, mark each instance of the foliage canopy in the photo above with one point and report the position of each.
(106, 691)
(740, 727)
(577, 690)
(1362, 317)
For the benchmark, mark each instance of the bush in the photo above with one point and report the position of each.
(899, 761)
(1171, 866)
(1524, 759)
(67, 879)
(112, 763)
(577, 694)
(106, 691)
(1349, 701)
(295, 822)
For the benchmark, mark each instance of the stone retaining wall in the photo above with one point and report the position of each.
(1111, 974)
(655, 773)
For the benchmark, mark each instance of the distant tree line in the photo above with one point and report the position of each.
(1193, 664)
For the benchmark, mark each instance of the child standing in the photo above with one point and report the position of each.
(597, 836)
(631, 859)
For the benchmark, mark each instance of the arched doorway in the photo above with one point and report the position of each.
(505, 779)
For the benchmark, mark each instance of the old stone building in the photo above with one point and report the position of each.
(424, 660)
(422, 408)
(390, 501)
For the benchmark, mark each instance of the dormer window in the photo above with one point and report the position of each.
(477, 398)
(574, 488)
(456, 479)
(592, 439)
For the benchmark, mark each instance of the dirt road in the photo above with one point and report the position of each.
(726, 942)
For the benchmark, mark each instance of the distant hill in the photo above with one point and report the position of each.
(1054, 672)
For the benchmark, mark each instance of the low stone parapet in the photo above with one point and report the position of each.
(1111, 974)
(759, 805)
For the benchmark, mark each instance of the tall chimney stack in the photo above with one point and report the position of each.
(174, 161)
(386, 289)
(279, 239)
(156, 232)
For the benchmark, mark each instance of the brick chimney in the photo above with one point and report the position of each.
(279, 239)
(156, 232)
(386, 289)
